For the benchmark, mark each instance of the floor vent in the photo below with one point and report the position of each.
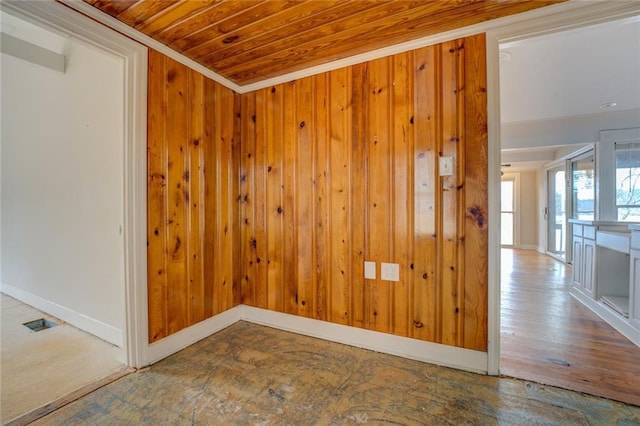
(39, 324)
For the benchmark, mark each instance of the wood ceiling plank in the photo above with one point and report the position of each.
(353, 21)
(348, 40)
(217, 51)
(200, 21)
(260, 14)
(112, 7)
(344, 32)
(174, 13)
(259, 28)
(143, 10)
(251, 40)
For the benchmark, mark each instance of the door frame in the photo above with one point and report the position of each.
(567, 241)
(69, 23)
(570, 15)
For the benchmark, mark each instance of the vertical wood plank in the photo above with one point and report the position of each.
(209, 215)
(156, 199)
(379, 194)
(177, 136)
(424, 256)
(402, 188)
(274, 205)
(476, 160)
(305, 218)
(289, 165)
(235, 198)
(225, 188)
(449, 207)
(322, 216)
(340, 160)
(248, 199)
(261, 280)
(359, 210)
(194, 199)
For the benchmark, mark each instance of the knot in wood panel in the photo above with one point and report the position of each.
(476, 213)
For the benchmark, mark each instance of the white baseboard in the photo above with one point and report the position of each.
(104, 331)
(433, 353)
(528, 247)
(190, 335)
(614, 319)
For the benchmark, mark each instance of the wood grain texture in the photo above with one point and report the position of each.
(345, 166)
(248, 41)
(192, 212)
(549, 337)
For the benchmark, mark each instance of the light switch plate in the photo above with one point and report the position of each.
(390, 271)
(370, 270)
(446, 166)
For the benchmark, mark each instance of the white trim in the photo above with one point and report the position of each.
(29, 52)
(493, 196)
(434, 353)
(512, 28)
(528, 247)
(65, 21)
(104, 331)
(190, 335)
(609, 316)
(111, 22)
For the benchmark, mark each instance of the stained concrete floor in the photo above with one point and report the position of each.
(253, 375)
(39, 370)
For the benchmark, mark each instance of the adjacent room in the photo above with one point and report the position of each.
(297, 212)
(563, 97)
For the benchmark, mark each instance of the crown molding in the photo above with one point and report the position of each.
(510, 29)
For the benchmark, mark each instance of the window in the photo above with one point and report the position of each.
(628, 181)
(507, 203)
(583, 187)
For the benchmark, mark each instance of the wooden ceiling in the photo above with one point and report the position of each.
(247, 41)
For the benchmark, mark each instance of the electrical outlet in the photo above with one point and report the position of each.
(390, 271)
(370, 270)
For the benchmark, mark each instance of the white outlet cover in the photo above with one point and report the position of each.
(390, 271)
(370, 270)
(446, 166)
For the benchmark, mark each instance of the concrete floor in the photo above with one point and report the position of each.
(253, 375)
(38, 369)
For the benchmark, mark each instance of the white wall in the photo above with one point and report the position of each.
(528, 210)
(62, 189)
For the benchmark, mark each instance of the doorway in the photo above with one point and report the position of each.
(555, 213)
(507, 212)
(531, 338)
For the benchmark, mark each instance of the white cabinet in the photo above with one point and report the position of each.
(576, 270)
(634, 290)
(588, 266)
(584, 265)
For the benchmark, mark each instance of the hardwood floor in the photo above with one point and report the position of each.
(41, 371)
(549, 337)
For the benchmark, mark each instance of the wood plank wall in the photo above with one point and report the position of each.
(343, 167)
(193, 231)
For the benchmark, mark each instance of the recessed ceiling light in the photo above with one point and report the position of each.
(608, 105)
(505, 56)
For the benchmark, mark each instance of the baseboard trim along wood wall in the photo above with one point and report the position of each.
(433, 353)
